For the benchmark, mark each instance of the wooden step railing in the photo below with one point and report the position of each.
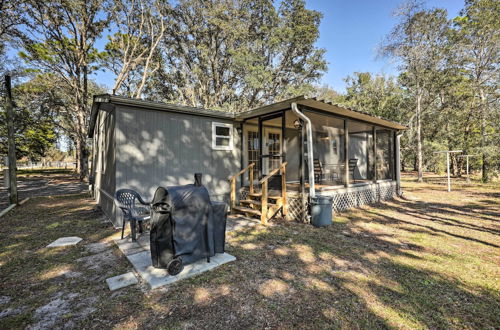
(232, 197)
(264, 217)
(266, 211)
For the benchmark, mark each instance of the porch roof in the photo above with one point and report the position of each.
(314, 103)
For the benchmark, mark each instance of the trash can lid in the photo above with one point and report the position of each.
(320, 199)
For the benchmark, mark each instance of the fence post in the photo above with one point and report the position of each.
(11, 142)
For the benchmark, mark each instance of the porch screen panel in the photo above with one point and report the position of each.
(385, 154)
(360, 152)
(328, 142)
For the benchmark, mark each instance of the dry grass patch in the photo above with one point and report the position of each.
(429, 260)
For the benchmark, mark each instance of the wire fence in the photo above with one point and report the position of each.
(42, 165)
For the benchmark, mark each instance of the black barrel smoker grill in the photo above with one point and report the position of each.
(185, 226)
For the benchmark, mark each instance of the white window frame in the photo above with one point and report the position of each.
(215, 136)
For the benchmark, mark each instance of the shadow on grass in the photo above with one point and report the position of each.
(286, 275)
(33, 275)
(321, 278)
(425, 211)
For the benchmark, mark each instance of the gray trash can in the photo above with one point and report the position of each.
(321, 211)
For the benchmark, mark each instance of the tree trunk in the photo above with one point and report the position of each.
(484, 156)
(77, 155)
(12, 159)
(83, 157)
(419, 137)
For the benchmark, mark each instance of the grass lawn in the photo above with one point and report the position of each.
(429, 260)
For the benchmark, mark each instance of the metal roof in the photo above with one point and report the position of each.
(151, 105)
(323, 105)
(311, 103)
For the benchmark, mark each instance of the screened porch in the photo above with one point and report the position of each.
(346, 152)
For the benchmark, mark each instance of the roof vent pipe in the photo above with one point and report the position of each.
(310, 158)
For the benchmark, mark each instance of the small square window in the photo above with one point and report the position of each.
(222, 136)
(220, 141)
(222, 131)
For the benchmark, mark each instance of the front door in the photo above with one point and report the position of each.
(253, 151)
(271, 149)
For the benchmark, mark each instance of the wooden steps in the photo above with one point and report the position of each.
(246, 210)
(250, 202)
(252, 206)
(259, 195)
(260, 203)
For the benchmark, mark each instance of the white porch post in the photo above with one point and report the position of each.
(398, 165)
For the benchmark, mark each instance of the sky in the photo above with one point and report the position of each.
(352, 30)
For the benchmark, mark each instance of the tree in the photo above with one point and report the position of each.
(325, 92)
(384, 97)
(478, 35)
(130, 52)
(35, 132)
(60, 39)
(236, 55)
(417, 42)
(378, 95)
(10, 18)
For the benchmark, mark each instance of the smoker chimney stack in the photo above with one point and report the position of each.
(197, 179)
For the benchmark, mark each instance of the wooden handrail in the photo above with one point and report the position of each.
(242, 171)
(232, 197)
(265, 209)
(273, 172)
(264, 194)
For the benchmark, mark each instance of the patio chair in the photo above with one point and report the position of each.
(318, 170)
(132, 212)
(353, 163)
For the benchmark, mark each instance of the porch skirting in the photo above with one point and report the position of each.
(346, 198)
(343, 198)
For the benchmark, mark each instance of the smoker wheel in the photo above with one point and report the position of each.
(175, 266)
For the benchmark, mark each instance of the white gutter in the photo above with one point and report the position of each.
(310, 158)
(398, 164)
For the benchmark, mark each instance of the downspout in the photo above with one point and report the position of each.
(310, 158)
(398, 164)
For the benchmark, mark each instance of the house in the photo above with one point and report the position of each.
(295, 149)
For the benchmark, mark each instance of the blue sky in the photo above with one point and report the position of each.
(351, 31)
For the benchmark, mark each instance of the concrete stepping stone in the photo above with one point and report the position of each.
(65, 241)
(121, 281)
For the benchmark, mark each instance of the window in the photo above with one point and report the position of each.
(222, 136)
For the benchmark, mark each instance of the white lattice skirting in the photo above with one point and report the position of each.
(346, 198)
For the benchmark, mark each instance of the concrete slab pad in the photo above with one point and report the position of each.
(156, 277)
(144, 241)
(121, 281)
(128, 247)
(65, 241)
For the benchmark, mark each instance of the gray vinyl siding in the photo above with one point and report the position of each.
(158, 148)
(104, 162)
